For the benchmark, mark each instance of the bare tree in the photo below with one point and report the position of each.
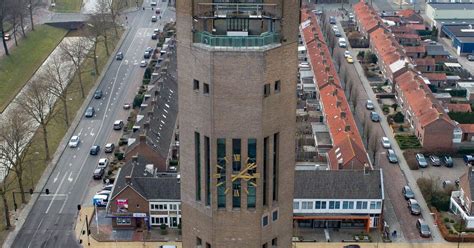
(15, 137)
(76, 51)
(109, 8)
(38, 103)
(3, 15)
(55, 77)
(99, 25)
(5, 188)
(374, 144)
(30, 9)
(354, 96)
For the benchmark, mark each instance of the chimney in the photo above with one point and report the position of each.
(327, 68)
(334, 93)
(343, 115)
(146, 125)
(142, 138)
(331, 79)
(128, 180)
(338, 103)
(347, 128)
(135, 158)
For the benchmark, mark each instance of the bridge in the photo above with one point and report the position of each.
(68, 20)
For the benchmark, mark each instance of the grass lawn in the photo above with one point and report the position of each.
(407, 142)
(68, 6)
(56, 129)
(24, 60)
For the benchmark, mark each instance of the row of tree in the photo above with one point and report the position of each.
(16, 13)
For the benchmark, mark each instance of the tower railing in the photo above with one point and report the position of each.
(236, 41)
(224, 10)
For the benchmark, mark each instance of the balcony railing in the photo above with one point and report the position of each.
(236, 41)
(224, 10)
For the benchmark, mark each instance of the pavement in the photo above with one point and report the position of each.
(50, 223)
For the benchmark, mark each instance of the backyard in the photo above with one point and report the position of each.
(407, 142)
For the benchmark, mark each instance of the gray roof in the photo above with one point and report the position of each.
(338, 184)
(157, 186)
(452, 6)
(165, 110)
(436, 50)
(456, 30)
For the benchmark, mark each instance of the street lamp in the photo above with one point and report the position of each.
(461, 235)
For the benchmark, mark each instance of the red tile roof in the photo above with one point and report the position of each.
(408, 36)
(386, 46)
(459, 107)
(339, 119)
(435, 76)
(401, 30)
(467, 128)
(425, 61)
(416, 26)
(414, 49)
(367, 17)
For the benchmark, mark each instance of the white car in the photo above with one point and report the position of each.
(347, 54)
(103, 162)
(386, 143)
(74, 141)
(143, 63)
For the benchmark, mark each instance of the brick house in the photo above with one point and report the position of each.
(425, 64)
(438, 79)
(415, 52)
(367, 19)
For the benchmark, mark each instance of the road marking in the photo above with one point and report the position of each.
(70, 164)
(69, 178)
(80, 132)
(56, 178)
(54, 197)
(34, 234)
(65, 200)
(73, 156)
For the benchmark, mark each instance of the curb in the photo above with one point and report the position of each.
(52, 165)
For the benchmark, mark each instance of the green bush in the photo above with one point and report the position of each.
(173, 162)
(399, 117)
(361, 54)
(147, 74)
(455, 92)
(446, 219)
(163, 230)
(137, 101)
(408, 141)
(146, 81)
(119, 155)
(451, 220)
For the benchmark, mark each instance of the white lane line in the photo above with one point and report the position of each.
(34, 234)
(54, 197)
(64, 202)
(69, 178)
(56, 178)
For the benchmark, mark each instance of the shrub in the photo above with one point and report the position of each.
(451, 220)
(173, 162)
(395, 106)
(163, 230)
(119, 155)
(401, 129)
(446, 219)
(361, 54)
(399, 117)
(385, 108)
(147, 74)
(137, 101)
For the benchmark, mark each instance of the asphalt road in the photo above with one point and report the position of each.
(51, 220)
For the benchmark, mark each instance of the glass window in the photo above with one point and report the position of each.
(197, 160)
(276, 142)
(347, 205)
(265, 220)
(124, 221)
(207, 160)
(331, 204)
(361, 205)
(195, 84)
(372, 205)
(252, 158)
(379, 205)
(277, 86)
(307, 205)
(275, 215)
(266, 90)
(320, 204)
(236, 155)
(220, 171)
(265, 171)
(236, 194)
(206, 88)
(296, 205)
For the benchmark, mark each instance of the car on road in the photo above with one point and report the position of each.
(470, 57)
(423, 228)
(126, 106)
(90, 112)
(351, 246)
(153, 4)
(369, 105)
(347, 53)
(154, 18)
(103, 162)
(157, 11)
(147, 55)
(414, 207)
(109, 147)
(156, 30)
(118, 124)
(349, 59)
(98, 173)
(468, 159)
(143, 63)
(386, 143)
(435, 161)
(407, 192)
(332, 20)
(94, 150)
(98, 94)
(351, 16)
(317, 12)
(337, 33)
(447, 161)
(392, 157)
(119, 56)
(374, 116)
(154, 36)
(74, 141)
(421, 160)
(342, 42)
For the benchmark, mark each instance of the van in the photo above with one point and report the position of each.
(342, 42)
(100, 200)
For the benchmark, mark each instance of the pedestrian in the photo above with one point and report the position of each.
(126, 17)
(143, 8)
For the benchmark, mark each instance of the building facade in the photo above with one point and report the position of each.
(237, 65)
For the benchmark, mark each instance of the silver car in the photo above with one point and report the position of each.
(386, 143)
(421, 160)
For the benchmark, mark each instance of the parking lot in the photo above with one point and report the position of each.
(442, 173)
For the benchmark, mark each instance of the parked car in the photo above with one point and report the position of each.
(108, 187)
(317, 12)
(350, 60)
(337, 33)
(332, 20)
(435, 161)
(153, 4)
(392, 157)
(119, 56)
(98, 173)
(386, 143)
(109, 147)
(407, 192)
(423, 228)
(98, 94)
(154, 36)
(118, 124)
(154, 18)
(143, 63)
(342, 42)
(157, 11)
(447, 161)
(470, 57)
(126, 106)
(146, 55)
(94, 150)
(74, 141)
(369, 105)
(100, 200)
(421, 160)
(103, 162)
(156, 30)
(374, 116)
(414, 207)
(90, 112)
(468, 159)
(347, 53)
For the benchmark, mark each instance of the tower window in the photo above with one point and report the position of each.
(198, 241)
(207, 159)
(265, 173)
(275, 215)
(275, 242)
(266, 90)
(265, 220)
(195, 84)
(277, 86)
(197, 161)
(220, 171)
(206, 88)
(276, 142)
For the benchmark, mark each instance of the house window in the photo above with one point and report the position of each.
(347, 205)
(320, 204)
(307, 205)
(173, 206)
(277, 86)
(275, 242)
(361, 205)
(334, 205)
(159, 206)
(207, 164)
(159, 220)
(265, 220)
(206, 88)
(296, 205)
(275, 215)
(123, 221)
(266, 90)
(195, 84)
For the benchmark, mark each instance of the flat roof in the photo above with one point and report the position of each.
(451, 6)
(460, 30)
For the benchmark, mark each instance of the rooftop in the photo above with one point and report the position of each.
(452, 6)
(339, 184)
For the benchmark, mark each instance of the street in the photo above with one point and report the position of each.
(51, 220)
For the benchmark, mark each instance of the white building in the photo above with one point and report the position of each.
(461, 202)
